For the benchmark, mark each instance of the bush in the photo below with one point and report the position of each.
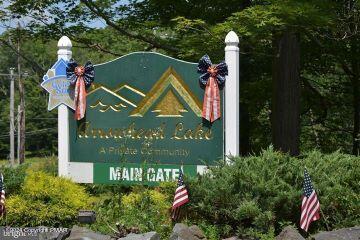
(46, 200)
(44, 164)
(255, 195)
(13, 178)
(146, 209)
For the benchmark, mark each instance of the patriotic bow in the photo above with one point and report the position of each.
(213, 77)
(81, 77)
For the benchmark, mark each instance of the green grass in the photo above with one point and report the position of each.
(46, 164)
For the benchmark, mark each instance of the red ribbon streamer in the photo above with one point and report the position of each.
(80, 93)
(211, 105)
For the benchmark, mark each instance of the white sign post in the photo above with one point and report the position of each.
(65, 53)
(232, 96)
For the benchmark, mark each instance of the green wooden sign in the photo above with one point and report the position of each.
(143, 122)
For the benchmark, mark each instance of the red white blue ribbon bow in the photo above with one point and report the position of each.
(81, 77)
(212, 78)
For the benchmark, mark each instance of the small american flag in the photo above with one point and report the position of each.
(181, 197)
(310, 207)
(2, 196)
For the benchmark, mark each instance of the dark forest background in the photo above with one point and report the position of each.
(300, 69)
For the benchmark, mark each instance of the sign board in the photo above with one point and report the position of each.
(143, 123)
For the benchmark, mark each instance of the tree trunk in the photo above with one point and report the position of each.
(21, 133)
(285, 114)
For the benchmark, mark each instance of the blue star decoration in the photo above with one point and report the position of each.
(58, 86)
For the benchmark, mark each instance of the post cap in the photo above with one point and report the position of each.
(64, 42)
(231, 38)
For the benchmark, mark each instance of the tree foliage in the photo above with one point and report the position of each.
(329, 49)
(258, 193)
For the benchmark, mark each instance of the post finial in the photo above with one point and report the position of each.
(64, 45)
(64, 41)
(232, 39)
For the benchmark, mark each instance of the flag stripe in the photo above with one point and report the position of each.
(179, 194)
(311, 215)
(180, 201)
(180, 188)
(180, 198)
(310, 206)
(2, 196)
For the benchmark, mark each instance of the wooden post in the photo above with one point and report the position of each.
(21, 132)
(65, 53)
(18, 135)
(232, 96)
(12, 118)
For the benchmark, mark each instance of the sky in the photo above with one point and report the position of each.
(23, 21)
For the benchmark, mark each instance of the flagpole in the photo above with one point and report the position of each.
(322, 214)
(325, 220)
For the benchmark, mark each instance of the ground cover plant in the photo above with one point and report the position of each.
(259, 194)
(45, 200)
(253, 196)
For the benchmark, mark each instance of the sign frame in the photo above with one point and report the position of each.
(70, 169)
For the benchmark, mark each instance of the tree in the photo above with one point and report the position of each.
(285, 114)
(323, 76)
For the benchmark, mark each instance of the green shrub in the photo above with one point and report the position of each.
(44, 164)
(46, 200)
(13, 178)
(146, 209)
(257, 194)
(104, 189)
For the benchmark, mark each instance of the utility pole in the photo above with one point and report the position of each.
(11, 76)
(21, 132)
(18, 135)
(12, 120)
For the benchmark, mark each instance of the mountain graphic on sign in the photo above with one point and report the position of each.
(169, 105)
(130, 93)
(122, 102)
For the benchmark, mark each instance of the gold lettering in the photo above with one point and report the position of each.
(82, 129)
(162, 131)
(101, 133)
(188, 134)
(148, 134)
(130, 131)
(102, 150)
(110, 135)
(199, 132)
(94, 132)
(140, 133)
(178, 128)
(208, 135)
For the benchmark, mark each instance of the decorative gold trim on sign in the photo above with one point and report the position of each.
(169, 77)
(104, 107)
(130, 88)
(98, 103)
(97, 87)
(110, 107)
